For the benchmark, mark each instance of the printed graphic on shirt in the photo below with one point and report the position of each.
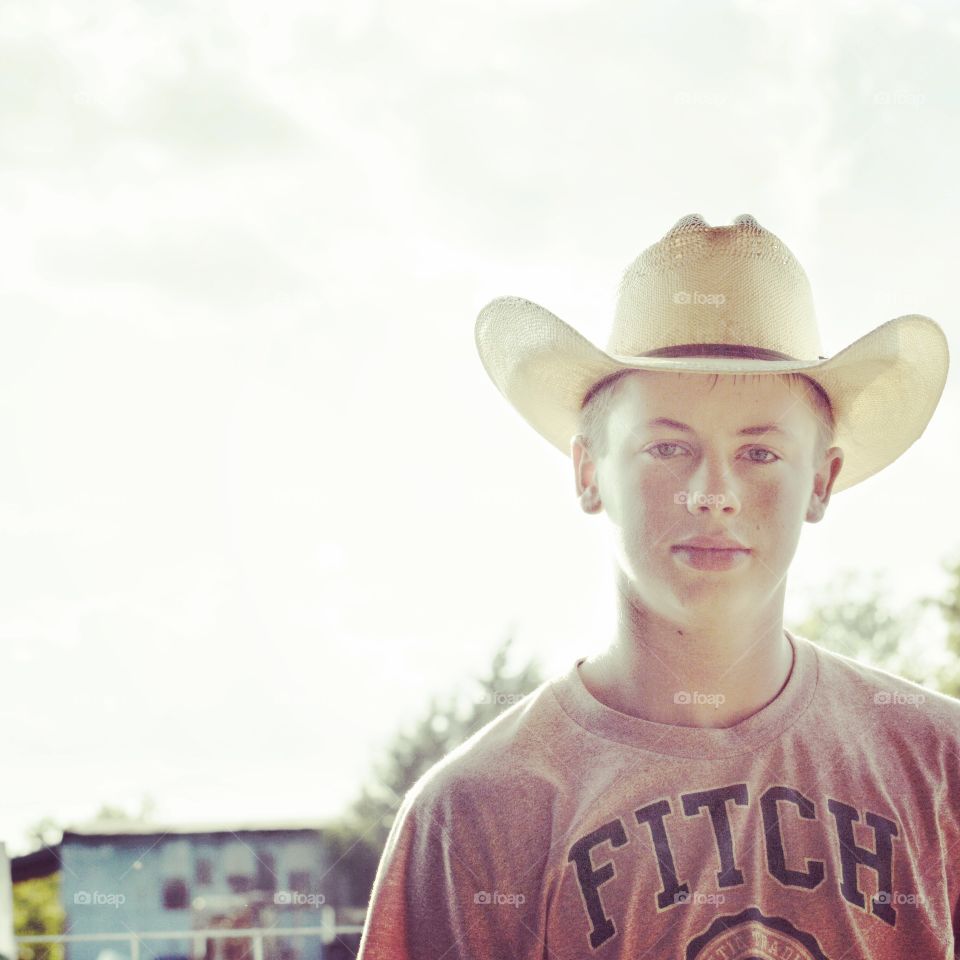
(658, 834)
(752, 936)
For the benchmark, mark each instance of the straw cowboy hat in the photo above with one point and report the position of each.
(725, 300)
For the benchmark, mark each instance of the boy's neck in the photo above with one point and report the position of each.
(711, 673)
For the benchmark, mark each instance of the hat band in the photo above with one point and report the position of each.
(703, 350)
(718, 350)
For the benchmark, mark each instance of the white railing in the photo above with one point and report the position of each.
(328, 932)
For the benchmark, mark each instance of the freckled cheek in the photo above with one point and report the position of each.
(770, 508)
(659, 513)
(765, 495)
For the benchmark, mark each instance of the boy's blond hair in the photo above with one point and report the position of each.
(596, 406)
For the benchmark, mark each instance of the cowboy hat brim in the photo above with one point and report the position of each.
(883, 387)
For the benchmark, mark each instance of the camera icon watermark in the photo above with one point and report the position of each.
(910, 899)
(689, 698)
(499, 698)
(899, 98)
(895, 697)
(700, 499)
(686, 297)
(295, 898)
(497, 898)
(96, 898)
(705, 98)
(703, 899)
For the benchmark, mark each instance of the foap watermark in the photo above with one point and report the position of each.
(899, 98)
(700, 499)
(707, 98)
(496, 898)
(296, 898)
(689, 698)
(96, 898)
(701, 299)
(910, 899)
(694, 896)
(885, 698)
(499, 698)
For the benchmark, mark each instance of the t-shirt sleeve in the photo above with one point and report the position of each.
(452, 884)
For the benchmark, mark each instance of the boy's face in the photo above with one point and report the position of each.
(660, 485)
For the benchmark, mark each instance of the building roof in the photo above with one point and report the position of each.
(116, 829)
(40, 863)
(45, 861)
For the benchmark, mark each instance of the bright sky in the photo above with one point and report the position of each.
(261, 500)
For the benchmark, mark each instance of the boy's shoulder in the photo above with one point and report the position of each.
(507, 757)
(847, 682)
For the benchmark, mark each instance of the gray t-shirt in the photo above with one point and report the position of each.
(826, 825)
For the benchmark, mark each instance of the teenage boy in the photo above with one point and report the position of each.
(711, 786)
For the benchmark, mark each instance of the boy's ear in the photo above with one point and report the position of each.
(823, 481)
(585, 474)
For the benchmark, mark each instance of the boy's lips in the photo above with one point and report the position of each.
(711, 553)
(710, 543)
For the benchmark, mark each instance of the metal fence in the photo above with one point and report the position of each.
(328, 931)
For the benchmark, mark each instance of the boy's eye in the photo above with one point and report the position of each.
(660, 446)
(772, 455)
(662, 451)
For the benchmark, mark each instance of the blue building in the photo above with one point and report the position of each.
(124, 880)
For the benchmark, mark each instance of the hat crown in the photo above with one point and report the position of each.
(733, 285)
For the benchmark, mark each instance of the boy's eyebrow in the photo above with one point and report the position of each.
(754, 431)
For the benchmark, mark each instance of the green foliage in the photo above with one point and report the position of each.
(37, 912)
(360, 837)
(947, 678)
(852, 618)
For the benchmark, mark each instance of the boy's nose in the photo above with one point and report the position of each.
(711, 491)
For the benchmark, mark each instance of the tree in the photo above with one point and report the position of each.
(358, 839)
(947, 676)
(853, 618)
(37, 912)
